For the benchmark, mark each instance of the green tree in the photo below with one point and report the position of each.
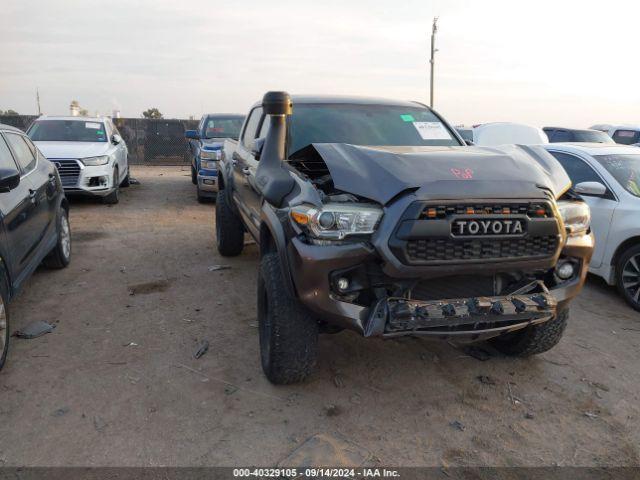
(152, 113)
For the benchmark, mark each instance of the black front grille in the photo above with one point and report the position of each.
(531, 209)
(69, 171)
(446, 250)
(456, 286)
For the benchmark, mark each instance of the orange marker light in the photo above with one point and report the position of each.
(541, 212)
(506, 210)
(470, 211)
(431, 213)
(300, 218)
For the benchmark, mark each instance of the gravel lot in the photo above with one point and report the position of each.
(116, 383)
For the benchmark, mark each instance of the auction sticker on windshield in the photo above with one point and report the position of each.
(92, 125)
(432, 131)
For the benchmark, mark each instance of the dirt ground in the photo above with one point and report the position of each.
(116, 382)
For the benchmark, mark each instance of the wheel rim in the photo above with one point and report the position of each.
(631, 278)
(65, 236)
(3, 328)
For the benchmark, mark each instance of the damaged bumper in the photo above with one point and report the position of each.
(314, 269)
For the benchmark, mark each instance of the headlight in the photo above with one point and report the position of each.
(94, 161)
(208, 164)
(576, 216)
(335, 220)
(209, 154)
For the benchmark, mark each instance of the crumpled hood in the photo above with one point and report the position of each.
(381, 173)
(73, 149)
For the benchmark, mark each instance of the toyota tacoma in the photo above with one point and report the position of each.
(374, 216)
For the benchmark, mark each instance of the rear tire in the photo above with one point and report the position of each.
(628, 276)
(113, 197)
(4, 320)
(60, 256)
(288, 333)
(194, 175)
(229, 228)
(533, 339)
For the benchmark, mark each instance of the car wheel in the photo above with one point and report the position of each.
(114, 196)
(127, 181)
(229, 228)
(533, 339)
(199, 196)
(60, 256)
(628, 276)
(288, 333)
(194, 175)
(4, 320)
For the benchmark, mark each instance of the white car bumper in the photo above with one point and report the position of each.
(80, 179)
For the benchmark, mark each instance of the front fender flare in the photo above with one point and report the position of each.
(269, 220)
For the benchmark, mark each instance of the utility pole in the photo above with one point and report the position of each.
(38, 101)
(434, 30)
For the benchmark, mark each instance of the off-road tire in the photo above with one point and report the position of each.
(533, 339)
(127, 180)
(229, 228)
(288, 333)
(113, 197)
(194, 176)
(60, 255)
(4, 320)
(623, 260)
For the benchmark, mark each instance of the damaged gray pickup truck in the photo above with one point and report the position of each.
(374, 216)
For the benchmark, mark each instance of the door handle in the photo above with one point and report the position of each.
(246, 171)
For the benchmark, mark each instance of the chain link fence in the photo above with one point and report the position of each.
(150, 141)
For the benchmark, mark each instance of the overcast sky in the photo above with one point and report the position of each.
(538, 62)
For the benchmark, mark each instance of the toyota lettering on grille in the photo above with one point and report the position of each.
(487, 227)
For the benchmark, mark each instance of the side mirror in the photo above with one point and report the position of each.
(9, 179)
(258, 145)
(191, 134)
(595, 189)
(116, 139)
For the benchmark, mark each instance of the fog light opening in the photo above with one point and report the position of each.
(342, 284)
(565, 270)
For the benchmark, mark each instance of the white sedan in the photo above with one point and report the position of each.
(608, 178)
(89, 153)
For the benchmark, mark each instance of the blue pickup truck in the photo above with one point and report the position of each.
(205, 147)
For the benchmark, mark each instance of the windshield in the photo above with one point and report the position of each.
(625, 169)
(67, 131)
(366, 125)
(592, 136)
(223, 127)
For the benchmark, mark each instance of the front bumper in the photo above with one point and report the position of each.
(312, 266)
(88, 180)
(208, 182)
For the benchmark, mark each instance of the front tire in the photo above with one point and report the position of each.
(114, 196)
(4, 320)
(533, 339)
(628, 276)
(288, 333)
(60, 256)
(229, 228)
(127, 180)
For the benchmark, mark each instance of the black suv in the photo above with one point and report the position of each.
(372, 215)
(35, 219)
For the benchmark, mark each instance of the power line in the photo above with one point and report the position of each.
(434, 30)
